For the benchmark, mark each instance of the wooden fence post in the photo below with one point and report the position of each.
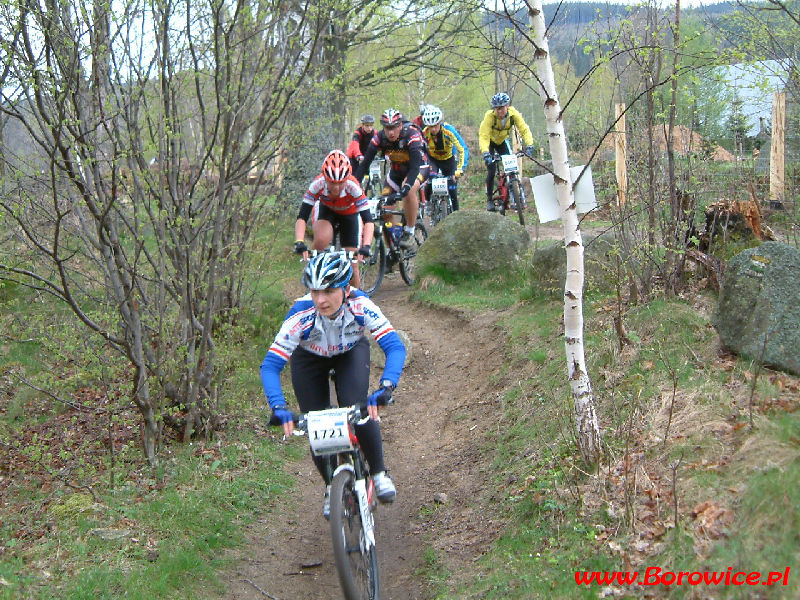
(777, 150)
(621, 152)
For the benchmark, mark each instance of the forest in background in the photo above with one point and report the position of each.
(141, 183)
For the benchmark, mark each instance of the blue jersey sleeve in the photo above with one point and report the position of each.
(271, 379)
(460, 146)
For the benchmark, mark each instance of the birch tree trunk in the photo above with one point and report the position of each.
(588, 431)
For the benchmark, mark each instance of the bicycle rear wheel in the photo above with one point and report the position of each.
(515, 196)
(409, 257)
(373, 268)
(357, 566)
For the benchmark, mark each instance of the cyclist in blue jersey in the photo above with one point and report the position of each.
(446, 148)
(324, 330)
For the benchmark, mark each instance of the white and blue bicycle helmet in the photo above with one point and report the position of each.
(432, 115)
(500, 99)
(327, 270)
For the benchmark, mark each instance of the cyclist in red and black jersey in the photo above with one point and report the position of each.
(341, 202)
(402, 143)
(360, 140)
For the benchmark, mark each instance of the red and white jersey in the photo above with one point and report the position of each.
(351, 200)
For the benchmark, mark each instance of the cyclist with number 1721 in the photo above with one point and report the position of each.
(493, 137)
(324, 330)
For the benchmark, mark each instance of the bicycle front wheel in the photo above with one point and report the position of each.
(515, 194)
(357, 565)
(372, 269)
(409, 257)
(433, 211)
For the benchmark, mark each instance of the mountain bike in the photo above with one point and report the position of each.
(385, 249)
(508, 192)
(440, 204)
(353, 499)
(374, 184)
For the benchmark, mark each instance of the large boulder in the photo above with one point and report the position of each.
(549, 263)
(758, 303)
(473, 242)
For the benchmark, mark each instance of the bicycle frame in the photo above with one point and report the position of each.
(509, 190)
(331, 435)
(440, 203)
(386, 251)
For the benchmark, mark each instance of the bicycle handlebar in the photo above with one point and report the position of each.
(351, 254)
(357, 415)
(496, 157)
(390, 198)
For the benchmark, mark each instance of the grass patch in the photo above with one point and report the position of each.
(67, 531)
(438, 286)
(151, 537)
(561, 519)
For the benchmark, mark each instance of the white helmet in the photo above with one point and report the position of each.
(327, 270)
(432, 115)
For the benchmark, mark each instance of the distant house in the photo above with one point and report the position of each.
(686, 142)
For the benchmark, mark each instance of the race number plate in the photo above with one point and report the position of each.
(510, 164)
(329, 432)
(439, 185)
(373, 207)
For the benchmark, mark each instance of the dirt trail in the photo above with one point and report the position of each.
(432, 437)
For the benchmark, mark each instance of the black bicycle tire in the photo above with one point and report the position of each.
(342, 519)
(515, 195)
(378, 249)
(409, 257)
(435, 211)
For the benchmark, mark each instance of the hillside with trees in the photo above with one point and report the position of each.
(152, 159)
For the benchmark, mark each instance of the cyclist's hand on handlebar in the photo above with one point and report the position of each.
(405, 190)
(457, 174)
(281, 415)
(529, 151)
(487, 158)
(365, 251)
(380, 397)
(301, 248)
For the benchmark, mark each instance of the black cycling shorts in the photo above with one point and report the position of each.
(349, 226)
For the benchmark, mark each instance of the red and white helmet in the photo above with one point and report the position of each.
(336, 166)
(391, 117)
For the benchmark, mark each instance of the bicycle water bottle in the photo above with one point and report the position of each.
(397, 232)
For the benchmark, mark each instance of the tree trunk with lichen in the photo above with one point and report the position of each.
(588, 431)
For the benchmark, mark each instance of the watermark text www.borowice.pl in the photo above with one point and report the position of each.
(657, 576)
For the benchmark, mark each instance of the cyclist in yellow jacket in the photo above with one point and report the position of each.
(446, 149)
(493, 136)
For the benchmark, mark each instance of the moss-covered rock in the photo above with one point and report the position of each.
(758, 310)
(471, 242)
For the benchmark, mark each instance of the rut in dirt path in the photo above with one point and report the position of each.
(432, 440)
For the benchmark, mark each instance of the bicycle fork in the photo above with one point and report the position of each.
(367, 521)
